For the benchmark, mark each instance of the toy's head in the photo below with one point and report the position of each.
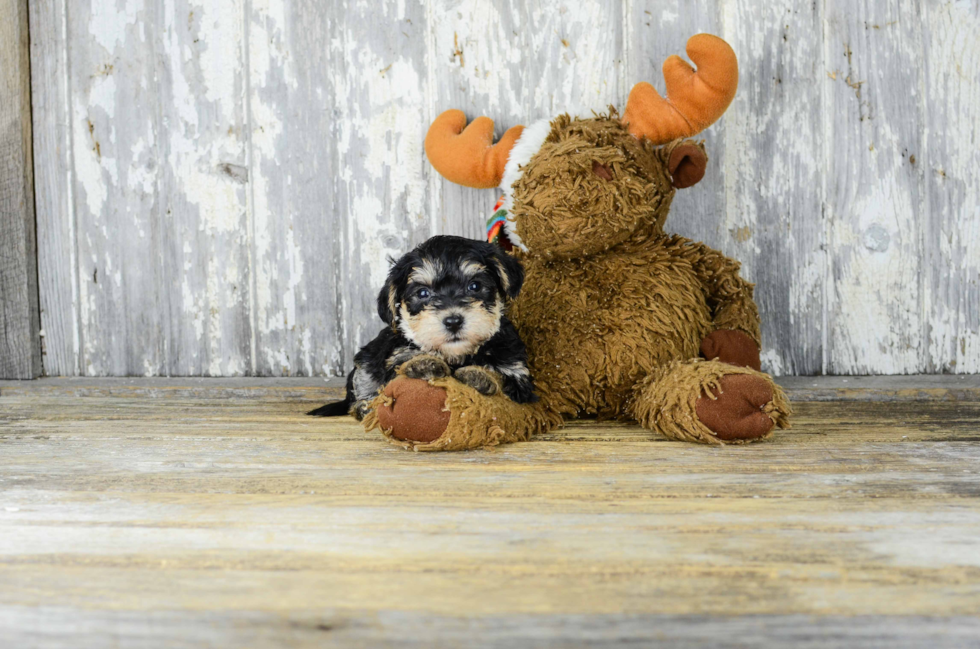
(575, 187)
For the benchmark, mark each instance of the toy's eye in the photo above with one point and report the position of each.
(424, 294)
(473, 287)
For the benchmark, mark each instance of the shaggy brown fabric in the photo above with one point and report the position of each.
(474, 420)
(614, 311)
(667, 400)
(729, 346)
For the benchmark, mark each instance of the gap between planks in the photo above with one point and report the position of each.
(947, 387)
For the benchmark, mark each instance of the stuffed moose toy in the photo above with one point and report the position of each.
(621, 320)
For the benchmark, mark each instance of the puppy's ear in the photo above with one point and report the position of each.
(387, 301)
(388, 296)
(509, 271)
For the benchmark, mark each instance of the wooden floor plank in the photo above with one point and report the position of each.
(169, 517)
(954, 387)
(46, 626)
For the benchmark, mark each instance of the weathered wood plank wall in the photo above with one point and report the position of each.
(219, 184)
(20, 344)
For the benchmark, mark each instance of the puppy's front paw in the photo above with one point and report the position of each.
(481, 380)
(360, 409)
(425, 366)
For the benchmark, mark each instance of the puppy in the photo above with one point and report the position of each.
(444, 305)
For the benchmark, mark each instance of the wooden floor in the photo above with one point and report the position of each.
(186, 512)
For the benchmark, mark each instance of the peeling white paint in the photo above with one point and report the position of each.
(876, 316)
(951, 304)
(102, 94)
(579, 61)
(109, 22)
(851, 244)
(88, 170)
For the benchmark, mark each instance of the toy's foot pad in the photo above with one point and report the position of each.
(738, 411)
(414, 410)
(732, 347)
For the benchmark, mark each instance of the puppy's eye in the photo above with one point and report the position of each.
(424, 294)
(473, 287)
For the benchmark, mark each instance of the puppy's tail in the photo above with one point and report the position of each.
(335, 409)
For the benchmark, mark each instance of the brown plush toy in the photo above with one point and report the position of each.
(620, 319)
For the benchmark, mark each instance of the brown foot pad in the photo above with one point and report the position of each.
(416, 412)
(732, 347)
(737, 411)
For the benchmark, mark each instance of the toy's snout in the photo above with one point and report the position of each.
(602, 171)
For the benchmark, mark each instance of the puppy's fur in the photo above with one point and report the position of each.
(444, 304)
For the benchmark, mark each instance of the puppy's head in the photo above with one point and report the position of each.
(449, 294)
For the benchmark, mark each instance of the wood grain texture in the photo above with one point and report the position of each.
(160, 521)
(923, 387)
(203, 178)
(57, 253)
(250, 165)
(115, 108)
(773, 138)
(20, 345)
(338, 120)
(476, 64)
(653, 32)
(876, 197)
(337, 628)
(951, 233)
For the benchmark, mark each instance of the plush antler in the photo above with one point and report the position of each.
(468, 156)
(694, 99)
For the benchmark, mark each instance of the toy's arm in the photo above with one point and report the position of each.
(735, 317)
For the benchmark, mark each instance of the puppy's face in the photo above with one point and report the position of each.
(448, 295)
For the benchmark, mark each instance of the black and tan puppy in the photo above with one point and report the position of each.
(444, 304)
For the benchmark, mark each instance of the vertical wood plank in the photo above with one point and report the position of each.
(20, 348)
(774, 171)
(653, 31)
(383, 192)
(574, 58)
(155, 178)
(951, 164)
(53, 187)
(477, 62)
(116, 127)
(875, 187)
(517, 62)
(218, 184)
(338, 118)
(203, 178)
(294, 120)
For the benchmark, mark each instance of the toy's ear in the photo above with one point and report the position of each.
(686, 163)
(509, 271)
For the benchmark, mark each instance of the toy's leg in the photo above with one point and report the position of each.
(444, 414)
(710, 402)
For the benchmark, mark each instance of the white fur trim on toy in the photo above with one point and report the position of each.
(526, 146)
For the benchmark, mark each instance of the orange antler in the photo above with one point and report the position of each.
(694, 99)
(468, 156)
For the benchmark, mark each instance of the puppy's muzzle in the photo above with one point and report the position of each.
(453, 323)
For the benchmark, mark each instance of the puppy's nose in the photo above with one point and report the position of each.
(453, 322)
